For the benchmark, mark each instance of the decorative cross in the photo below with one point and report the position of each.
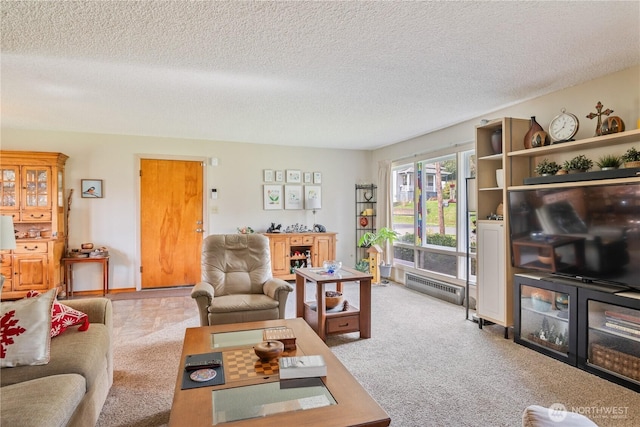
(599, 115)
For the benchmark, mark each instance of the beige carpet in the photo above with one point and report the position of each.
(425, 365)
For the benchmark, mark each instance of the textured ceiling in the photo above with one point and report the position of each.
(357, 75)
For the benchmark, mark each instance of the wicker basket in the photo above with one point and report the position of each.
(616, 361)
(629, 165)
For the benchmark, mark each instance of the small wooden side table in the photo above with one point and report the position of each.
(68, 272)
(352, 320)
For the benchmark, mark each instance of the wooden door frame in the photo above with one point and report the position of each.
(205, 201)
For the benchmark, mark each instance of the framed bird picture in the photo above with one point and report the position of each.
(91, 188)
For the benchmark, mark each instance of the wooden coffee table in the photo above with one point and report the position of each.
(194, 407)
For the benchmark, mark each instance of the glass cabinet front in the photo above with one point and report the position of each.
(613, 339)
(36, 187)
(545, 318)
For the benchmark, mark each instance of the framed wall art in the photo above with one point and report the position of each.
(312, 197)
(91, 188)
(307, 178)
(268, 175)
(294, 176)
(279, 176)
(293, 197)
(272, 197)
(317, 178)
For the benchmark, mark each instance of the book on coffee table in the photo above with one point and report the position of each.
(302, 367)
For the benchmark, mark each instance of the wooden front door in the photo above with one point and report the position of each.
(171, 226)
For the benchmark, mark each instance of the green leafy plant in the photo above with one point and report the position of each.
(609, 161)
(363, 265)
(579, 163)
(380, 237)
(547, 167)
(631, 155)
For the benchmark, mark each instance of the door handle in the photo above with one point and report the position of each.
(199, 230)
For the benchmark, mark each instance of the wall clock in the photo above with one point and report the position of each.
(563, 127)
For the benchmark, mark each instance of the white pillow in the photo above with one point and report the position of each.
(25, 329)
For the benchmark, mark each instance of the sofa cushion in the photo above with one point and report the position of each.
(25, 327)
(49, 401)
(63, 316)
(73, 352)
(242, 302)
(539, 416)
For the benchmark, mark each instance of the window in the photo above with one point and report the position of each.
(429, 213)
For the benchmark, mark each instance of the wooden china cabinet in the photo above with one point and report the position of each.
(32, 192)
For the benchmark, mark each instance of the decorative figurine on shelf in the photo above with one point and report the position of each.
(245, 230)
(297, 228)
(612, 124)
(274, 228)
(599, 116)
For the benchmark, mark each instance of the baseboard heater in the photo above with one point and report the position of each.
(435, 288)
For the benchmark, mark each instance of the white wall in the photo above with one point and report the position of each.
(113, 220)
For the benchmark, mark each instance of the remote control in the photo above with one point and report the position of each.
(212, 363)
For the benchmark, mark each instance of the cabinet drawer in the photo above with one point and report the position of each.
(295, 240)
(342, 324)
(307, 240)
(31, 248)
(6, 272)
(5, 260)
(15, 215)
(36, 216)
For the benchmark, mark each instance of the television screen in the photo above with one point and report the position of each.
(587, 232)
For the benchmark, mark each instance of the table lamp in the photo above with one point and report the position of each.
(7, 237)
(313, 203)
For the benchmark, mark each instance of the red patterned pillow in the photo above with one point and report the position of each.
(63, 316)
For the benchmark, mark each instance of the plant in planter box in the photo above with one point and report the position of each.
(578, 164)
(363, 265)
(631, 158)
(609, 161)
(547, 167)
(381, 237)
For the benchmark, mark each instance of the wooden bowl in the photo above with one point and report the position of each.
(332, 299)
(546, 259)
(268, 350)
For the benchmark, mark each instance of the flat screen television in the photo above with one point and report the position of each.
(590, 233)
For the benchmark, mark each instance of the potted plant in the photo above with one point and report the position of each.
(381, 237)
(578, 164)
(608, 162)
(363, 265)
(547, 167)
(631, 158)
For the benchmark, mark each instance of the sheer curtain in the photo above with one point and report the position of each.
(384, 203)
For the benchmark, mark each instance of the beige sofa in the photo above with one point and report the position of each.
(71, 389)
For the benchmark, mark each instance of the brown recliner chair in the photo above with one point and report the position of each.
(237, 284)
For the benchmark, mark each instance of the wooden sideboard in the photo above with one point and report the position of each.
(32, 192)
(289, 250)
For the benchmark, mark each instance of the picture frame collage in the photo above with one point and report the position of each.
(284, 189)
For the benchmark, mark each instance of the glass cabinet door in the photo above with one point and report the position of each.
(613, 339)
(545, 318)
(36, 187)
(8, 194)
